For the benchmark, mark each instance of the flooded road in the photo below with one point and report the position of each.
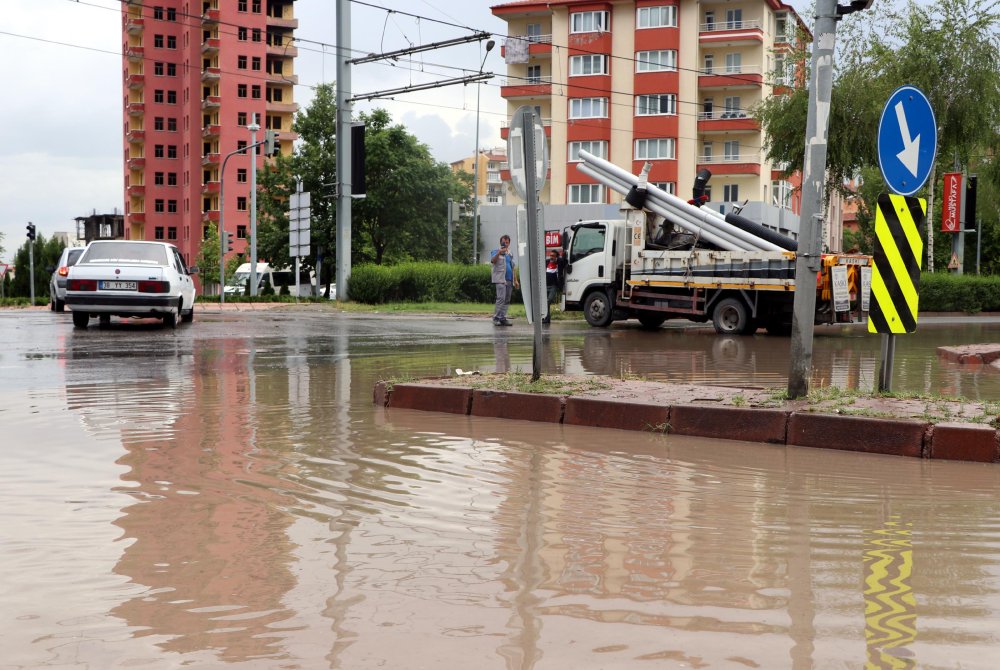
(226, 495)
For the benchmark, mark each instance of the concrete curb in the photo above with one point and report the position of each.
(897, 437)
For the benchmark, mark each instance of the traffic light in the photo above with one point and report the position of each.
(31, 231)
(229, 241)
(270, 142)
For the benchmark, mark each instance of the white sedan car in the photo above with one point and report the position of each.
(133, 279)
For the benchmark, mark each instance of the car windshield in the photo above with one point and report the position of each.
(130, 252)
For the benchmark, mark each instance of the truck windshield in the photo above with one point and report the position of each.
(586, 240)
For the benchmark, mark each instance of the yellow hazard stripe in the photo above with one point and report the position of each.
(899, 270)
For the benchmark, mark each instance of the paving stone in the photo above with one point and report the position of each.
(621, 414)
(431, 398)
(517, 405)
(856, 433)
(750, 424)
(964, 442)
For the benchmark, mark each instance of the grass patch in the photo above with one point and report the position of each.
(521, 382)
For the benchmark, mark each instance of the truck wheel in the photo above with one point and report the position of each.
(597, 309)
(651, 320)
(731, 317)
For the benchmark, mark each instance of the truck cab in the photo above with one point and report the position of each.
(593, 259)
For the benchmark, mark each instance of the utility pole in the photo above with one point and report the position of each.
(31, 260)
(343, 150)
(253, 128)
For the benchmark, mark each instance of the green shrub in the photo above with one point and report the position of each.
(421, 282)
(943, 292)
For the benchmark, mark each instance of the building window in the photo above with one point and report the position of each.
(158, 13)
(588, 22)
(171, 97)
(588, 65)
(171, 14)
(732, 150)
(706, 151)
(734, 63)
(255, 6)
(159, 205)
(158, 69)
(241, 34)
(241, 232)
(158, 151)
(664, 60)
(241, 5)
(158, 95)
(734, 19)
(171, 69)
(158, 232)
(241, 90)
(158, 41)
(584, 194)
(171, 42)
(598, 148)
(241, 144)
(708, 64)
(534, 32)
(158, 123)
(730, 192)
(241, 175)
(656, 104)
(241, 62)
(657, 17)
(241, 203)
(255, 91)
(172, 233)
(172, 206)
(241, 118)
(588, 108)
(255, 35)
(171, 179)
(783, 31)
(158, 179)
(255, 63)
(733, 109)
(781, 194)
(666, 186)
(275, 95)
(654, 149)
(171, 124)
(171, 151)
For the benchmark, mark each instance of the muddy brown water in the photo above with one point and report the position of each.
(226, 495)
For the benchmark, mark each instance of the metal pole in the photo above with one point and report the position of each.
(527, 122)
(253, 128)
(885, 371)
(475, 169)
(31, 265)
(222, 231)
(343, 149)
(448, 223)
(979, 239)
(808, 258)
(296, 277)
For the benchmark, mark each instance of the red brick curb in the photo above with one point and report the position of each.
(517, 405)
(620, 414)
(730, 423)
(898, 437)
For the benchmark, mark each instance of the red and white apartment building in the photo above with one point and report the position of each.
(195, 74)
(668, 81)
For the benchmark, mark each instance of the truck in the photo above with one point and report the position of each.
(668, 259)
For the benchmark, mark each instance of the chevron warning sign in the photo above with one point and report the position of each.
(898, 253)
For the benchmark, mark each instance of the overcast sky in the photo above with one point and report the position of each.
(62, 116)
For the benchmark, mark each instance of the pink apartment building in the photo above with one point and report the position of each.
(195, 74)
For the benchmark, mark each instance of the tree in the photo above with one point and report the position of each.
(46, 254)
(208, 257)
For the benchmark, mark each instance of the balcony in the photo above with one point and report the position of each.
(733, 77)
(210, 17)
(282, 22)
(282, 50)
(136, 108)
(211, 102)
(136, 81)
(278, 78)
(135, 54)
(211, 74)
(281, 107)
(134, 25)
(137, 135)
(526, 87)
(211, 159)
(732, 165)
(728, 33)
(136, 191)
(212, 130)
(538, 45)
(211, 215)
(726, 121)
(136, 163)
(211, 188)
(505, 129)
(211, 45)
(137, 217)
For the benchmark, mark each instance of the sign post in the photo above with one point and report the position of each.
(907, 145)
(298, 228)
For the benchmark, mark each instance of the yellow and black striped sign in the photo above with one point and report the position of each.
(898, 254)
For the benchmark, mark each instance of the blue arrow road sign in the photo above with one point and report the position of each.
(907, 140)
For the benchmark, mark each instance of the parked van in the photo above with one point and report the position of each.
(270, 278)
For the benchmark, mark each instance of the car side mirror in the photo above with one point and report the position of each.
(193, 270)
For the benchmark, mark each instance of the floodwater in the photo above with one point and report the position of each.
(226, 495)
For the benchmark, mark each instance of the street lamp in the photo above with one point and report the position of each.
(475, 170)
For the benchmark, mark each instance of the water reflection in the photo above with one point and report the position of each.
(275, 517)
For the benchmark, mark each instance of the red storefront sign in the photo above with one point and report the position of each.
(553, 238)
(951, 209)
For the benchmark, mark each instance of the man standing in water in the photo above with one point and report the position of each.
(504, 280)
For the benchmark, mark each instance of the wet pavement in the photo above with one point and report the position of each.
(227, 495)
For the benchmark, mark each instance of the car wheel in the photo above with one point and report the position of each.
(52, 305)
(188, 316)
(104, 320)
(597, 309)
(60, 305)
(170, 320)
(731, 317)
(81, 319)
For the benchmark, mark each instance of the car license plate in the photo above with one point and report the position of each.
(118, 285)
